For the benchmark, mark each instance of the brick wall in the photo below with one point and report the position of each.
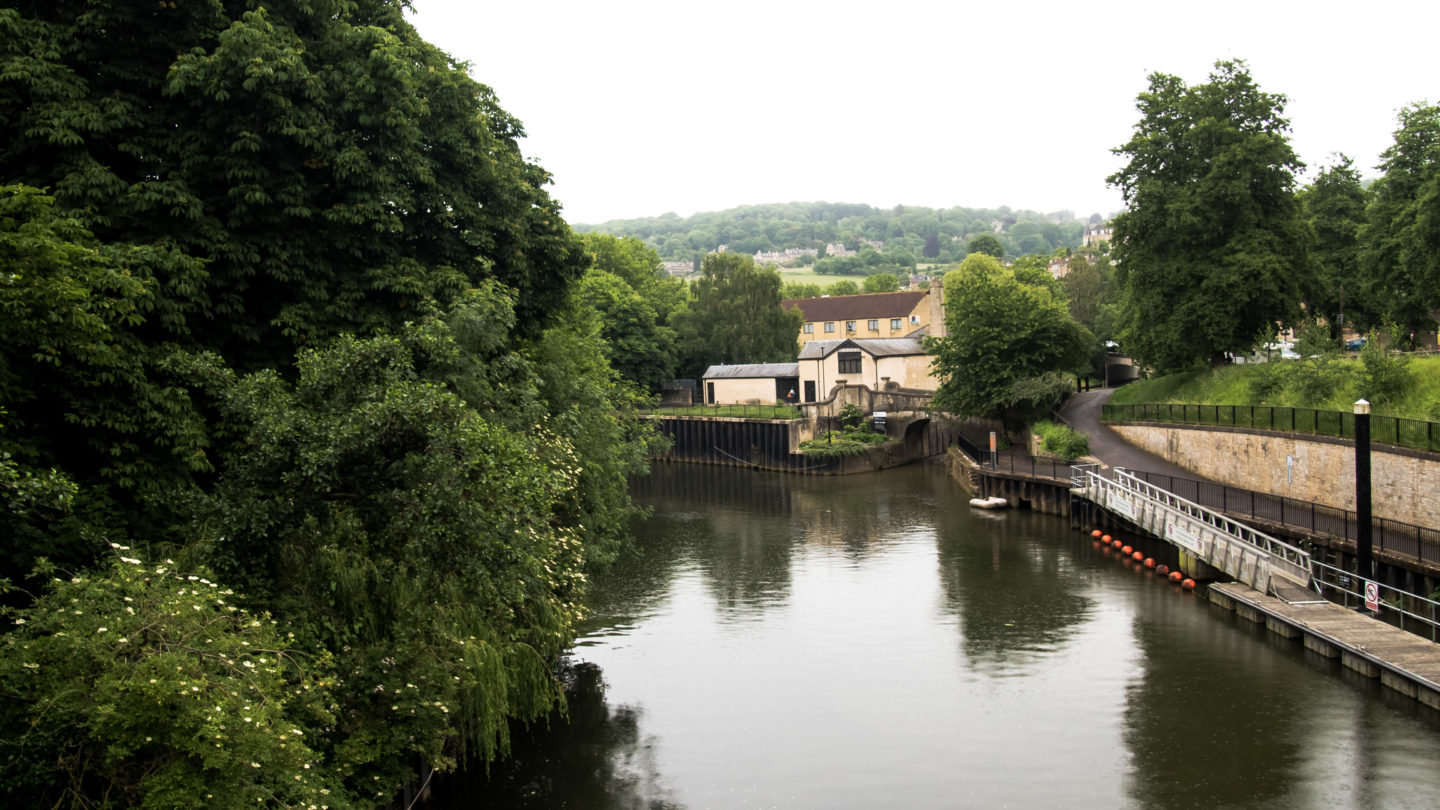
(1405, 484)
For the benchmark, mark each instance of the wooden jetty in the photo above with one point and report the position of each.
(1402, 661)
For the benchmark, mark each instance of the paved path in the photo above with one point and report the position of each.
(1082, 411)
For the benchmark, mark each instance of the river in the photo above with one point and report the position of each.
(871, 641)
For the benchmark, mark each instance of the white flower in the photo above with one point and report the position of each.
(248, 664)
(101, 630)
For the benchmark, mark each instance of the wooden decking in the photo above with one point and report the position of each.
(1402, 661)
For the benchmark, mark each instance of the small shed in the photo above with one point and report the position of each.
(751, 383)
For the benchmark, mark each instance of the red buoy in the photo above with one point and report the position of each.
(1188, 584)
(1126, 550)
(1096, 533)
(1149, 562)
(1105, 538)
(1138, 556)
(1175, 576)
(1162, 569)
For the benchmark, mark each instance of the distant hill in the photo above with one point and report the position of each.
(929, 234)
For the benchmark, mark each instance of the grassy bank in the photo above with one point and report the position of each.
(1323, 383)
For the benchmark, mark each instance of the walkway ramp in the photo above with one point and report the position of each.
(1250, 556)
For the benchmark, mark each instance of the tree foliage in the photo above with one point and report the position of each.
(1006, 338)
(735, 316)
(1212, 248)
(137, 685)
(1335, 206)
(296, 309)
(1402, 234)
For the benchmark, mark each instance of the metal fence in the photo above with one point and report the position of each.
(1018, 464)
(1412, 433)
(1408, 611)
(729, 411)
(1403, 540)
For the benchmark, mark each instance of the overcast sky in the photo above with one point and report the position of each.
(639, 108)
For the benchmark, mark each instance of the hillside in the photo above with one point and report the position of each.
(926, 234)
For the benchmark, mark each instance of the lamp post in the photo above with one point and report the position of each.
(1364, 561)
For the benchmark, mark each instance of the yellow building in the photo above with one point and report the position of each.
(867, 316)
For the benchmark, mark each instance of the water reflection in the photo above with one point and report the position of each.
(593, 756)
(872, 641)
(1015, 593)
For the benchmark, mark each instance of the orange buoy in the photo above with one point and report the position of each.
(1127, 550)
(1117, 543)
(1175, 576)
(1104, 538)
(1188, 584)
(1162, 569)
(1149, 562)
(1138, 556)
(1096, 533)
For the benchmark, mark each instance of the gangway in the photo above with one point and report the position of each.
(1253, 557)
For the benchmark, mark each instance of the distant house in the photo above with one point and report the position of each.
(1095, 234)
(869, 316)
(880, 363)
(750, 383)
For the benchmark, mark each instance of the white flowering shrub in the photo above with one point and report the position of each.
(135, 686)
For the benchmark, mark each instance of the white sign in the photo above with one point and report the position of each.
(1372, 595)
(1123, 506)
(1182, 536)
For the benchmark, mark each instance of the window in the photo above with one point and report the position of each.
(894, 324)
(829, 326)
(808, 329)
(849, 326)
(849, 362)
(873, 325)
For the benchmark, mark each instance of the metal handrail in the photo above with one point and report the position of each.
(1295, 560)
(1399, 601)
(1417, 434)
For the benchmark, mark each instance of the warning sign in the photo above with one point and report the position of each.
(1372, 595)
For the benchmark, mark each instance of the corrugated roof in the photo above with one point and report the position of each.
(856, 307)
(875, 347)
(741, 371)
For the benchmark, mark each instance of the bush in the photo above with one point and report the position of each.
(1062, 441)
(134, 686)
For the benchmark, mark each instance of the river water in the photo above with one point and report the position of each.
(871, 641)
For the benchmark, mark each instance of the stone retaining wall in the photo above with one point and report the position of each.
(1405, 483)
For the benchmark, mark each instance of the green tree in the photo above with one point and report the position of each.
(632, 298)
(795, 289)
(1212, 248)
(1335, 206)
(332, 170)
(846, 287)
(735, 316)
(881, 282)
(1007, 340)
(137, 685)
(987, 244)
(1402, 234)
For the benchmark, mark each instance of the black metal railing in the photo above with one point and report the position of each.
(1019, 464)
(1413, 433)
(1404, 540)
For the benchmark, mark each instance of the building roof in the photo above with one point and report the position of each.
(875, 347)
(746, 371)
(856, 307)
